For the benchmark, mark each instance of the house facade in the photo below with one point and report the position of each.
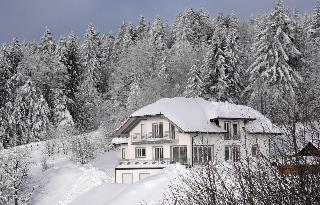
(189, 131)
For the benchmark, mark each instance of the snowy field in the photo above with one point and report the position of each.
(67, 182)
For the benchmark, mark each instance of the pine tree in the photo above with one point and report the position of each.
(47, 43)
(68, 52)
(26, 115)
(195, 83)
(192, 26)
(215, 75)
(94, 59)
(88, 102)
(274, 59)
(142, 29)
(62, 118)
(44, 68)
(10, 58)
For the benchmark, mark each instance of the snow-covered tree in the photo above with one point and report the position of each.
(195, 83)
(192, 26)
(62, 118)
(275, 57)
(94, 59)
(15, 165)
(68, 52)
(26, 115)
(88, 102)
(215, 68)
(82, 150)
(10, 58)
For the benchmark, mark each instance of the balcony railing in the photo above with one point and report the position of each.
(143, 163)
(133, 163)
(138, 138)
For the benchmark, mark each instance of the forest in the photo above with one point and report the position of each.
(77, 84)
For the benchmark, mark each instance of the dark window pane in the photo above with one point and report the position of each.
(235, 131)
(183, 155)
(160, 130)
(227, 153)
(195, 154)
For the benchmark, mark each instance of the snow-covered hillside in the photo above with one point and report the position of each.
(66, 182)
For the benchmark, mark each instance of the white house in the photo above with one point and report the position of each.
(190, 131)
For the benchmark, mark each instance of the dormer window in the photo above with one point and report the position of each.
(232, 130)
(235, 131)
(227, 135)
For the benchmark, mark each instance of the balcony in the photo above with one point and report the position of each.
(150, 138)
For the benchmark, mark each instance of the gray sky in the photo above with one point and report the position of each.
(26, 19)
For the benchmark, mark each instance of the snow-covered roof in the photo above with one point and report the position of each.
(194, 114)
(120, 140)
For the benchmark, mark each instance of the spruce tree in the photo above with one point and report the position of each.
(26, 115)
(275, 54)
(195, 83)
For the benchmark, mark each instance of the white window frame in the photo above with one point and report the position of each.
(237, 136)
(139, 152)
(172, 131)
(180, 146)
(236, 157)
(156, 130)
(231, 152)
(159, 153)
(199, 154)
(227, 135)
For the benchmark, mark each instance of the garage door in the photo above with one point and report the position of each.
(127, 178)
(143, 175)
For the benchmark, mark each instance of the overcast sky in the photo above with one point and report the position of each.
(26, 19)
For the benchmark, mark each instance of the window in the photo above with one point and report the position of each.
(254, 150)
(232, 152)
(202, 154)
(235, 131)
(227, 128)
(158, 153)
(172, 131)
(157, 130)
(123, 153)
(179, 154)
(235, 153)
(140, 152)
(227, 153)
(143, 131)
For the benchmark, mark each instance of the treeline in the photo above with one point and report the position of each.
(269, 62)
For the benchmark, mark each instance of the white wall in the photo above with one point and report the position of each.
(135, 174)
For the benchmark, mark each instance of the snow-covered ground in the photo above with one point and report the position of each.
(66, 182)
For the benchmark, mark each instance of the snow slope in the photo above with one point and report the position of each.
(66, 181)
(69, 183)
